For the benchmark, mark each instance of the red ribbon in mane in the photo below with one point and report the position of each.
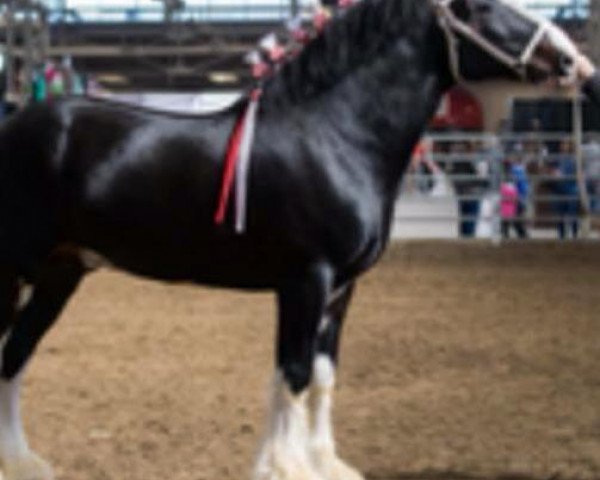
(239, 147)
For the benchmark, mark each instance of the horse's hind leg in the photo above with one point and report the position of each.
(24, 328)
(285, 452)
(322, 441)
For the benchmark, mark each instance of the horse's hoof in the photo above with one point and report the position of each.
(332, 468)
(30, 467)
(287, 469)
(290, 472)
(338, 470)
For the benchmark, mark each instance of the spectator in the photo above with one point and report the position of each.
(565, 186)
(518, 174)
(469, 186)
(509, 199)
(425, 175)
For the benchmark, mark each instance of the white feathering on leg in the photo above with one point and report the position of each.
(322, 441)
(284, 453)
(17, 461)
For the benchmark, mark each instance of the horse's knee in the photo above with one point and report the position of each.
(302, 304)
(54, 284)
(14, 358)
(297, 375)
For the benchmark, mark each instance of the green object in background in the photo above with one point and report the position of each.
(57, 85)
(39, 90)
(78, 87)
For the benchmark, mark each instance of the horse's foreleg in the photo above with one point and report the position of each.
(54, 284)
(322, 441)
(285, 453)
(16, 458)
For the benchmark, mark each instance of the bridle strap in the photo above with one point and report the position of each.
(451, 40)
(451, 25)
(533, 44)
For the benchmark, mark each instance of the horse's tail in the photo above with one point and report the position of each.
(27, 194)
(5, 187)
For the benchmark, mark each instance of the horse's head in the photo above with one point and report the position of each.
(500, 39)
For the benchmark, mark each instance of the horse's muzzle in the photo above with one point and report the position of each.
(560, 52)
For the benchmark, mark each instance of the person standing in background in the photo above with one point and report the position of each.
(519, 177)
(567, 192)
(509, 199)
(469, 185)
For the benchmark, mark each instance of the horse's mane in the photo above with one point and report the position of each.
(354, 38)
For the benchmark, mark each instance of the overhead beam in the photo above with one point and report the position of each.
(98, 51)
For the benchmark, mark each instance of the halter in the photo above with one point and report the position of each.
(452, 25)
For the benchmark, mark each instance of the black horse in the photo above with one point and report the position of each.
(84, 182)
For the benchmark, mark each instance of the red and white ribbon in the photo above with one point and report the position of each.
(243, 164)
(237, 166)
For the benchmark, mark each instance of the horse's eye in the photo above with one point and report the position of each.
(484, 8)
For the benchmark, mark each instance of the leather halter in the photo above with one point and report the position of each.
(454, 26)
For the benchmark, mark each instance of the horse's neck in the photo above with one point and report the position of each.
(382, 108)
(394, 105)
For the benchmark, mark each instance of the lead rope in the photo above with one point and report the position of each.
(451, 40)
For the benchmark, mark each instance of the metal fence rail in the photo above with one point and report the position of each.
(456, 187)
(212, 11)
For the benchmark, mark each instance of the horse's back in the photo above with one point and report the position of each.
(102, 174)
(140, 189)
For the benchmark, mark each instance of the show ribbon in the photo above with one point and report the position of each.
(243, 164)
(229, 168)
(237, 165)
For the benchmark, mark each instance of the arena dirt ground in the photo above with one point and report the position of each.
(459, 361)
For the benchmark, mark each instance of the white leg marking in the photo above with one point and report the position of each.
(25, 294)
(322, 442)
(284, 454)
(17, 460)
(92, 260)
(321, 404)
(12, 437)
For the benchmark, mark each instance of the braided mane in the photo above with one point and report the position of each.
(354, 38)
